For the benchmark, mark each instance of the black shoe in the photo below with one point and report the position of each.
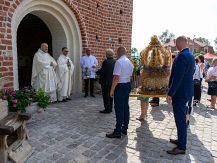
(105, 111)
(113, 135)
(124, 131)
(92, 95)
(54, 102)
(176, 151)
(64, 100)
(85, 95)
(68, 99)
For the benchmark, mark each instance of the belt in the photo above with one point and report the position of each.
(123, 83)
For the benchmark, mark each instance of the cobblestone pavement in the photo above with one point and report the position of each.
(75, 132)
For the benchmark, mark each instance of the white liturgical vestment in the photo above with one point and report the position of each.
(65, 72)
(44, 75)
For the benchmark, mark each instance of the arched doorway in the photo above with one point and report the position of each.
(31, 32)
(64, 30)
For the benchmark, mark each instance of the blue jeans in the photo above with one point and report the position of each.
(121, 101)
(180, 108)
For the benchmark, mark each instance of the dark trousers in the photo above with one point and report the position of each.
(107, 100)
(179, 109)
(155, 100)
(121, 101)
(197, 92)
(86, 86)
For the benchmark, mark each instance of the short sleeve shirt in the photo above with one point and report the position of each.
(124, 69)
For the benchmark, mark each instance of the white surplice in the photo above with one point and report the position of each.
(87, 63)
(44, 75)
(65, 74)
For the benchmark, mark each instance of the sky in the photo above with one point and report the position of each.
(181, 17)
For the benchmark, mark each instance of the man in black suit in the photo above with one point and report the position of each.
(106, 76)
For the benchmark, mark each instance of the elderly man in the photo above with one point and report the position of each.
(106, 76)
(181, 90)
(88, 64)
(65, 72)
(121, 88)
(43, 72)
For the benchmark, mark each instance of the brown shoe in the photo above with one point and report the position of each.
(173, 141)
(176, 151)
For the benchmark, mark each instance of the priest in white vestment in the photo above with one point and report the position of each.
(65, 72)
(43, 72)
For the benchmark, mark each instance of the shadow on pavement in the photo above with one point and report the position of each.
(153, 149)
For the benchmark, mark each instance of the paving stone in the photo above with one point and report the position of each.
(111, 156)
(45, 161)
(62, 160)
(103, 152)
(96, 148)
(32, 160)
(55, 156)
(50, 142)
(75, 132)
(60, 138)
(72, 145)
(89, 153)
(41, 147)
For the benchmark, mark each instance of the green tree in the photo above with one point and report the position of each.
(203, 40)
(199, 53)
(134, 53)
(166, 36)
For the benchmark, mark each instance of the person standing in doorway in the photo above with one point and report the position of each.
(88, 64)
(43, 72)
(65, 72)
(181, 90)
(121, 89)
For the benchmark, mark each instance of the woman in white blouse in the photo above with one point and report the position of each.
(212, 82)
(197, 82)
(202, 64)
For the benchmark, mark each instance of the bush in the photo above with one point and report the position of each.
(18, 100)
(42, 98)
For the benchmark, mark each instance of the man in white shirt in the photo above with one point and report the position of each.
(65, 72)
(121, 88)
(88, 64)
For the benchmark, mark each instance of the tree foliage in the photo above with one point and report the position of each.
(134, 53)
(166, 36)
(203, 40)
(199, 53)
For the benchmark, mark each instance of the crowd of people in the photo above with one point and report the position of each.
(184, 89)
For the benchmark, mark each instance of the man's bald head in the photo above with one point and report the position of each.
(88, 51)
(121, 51)
(44, 47)
(181, 42)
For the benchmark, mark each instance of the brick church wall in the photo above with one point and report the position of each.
(103, 24)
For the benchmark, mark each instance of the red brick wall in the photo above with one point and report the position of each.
(103, 19)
